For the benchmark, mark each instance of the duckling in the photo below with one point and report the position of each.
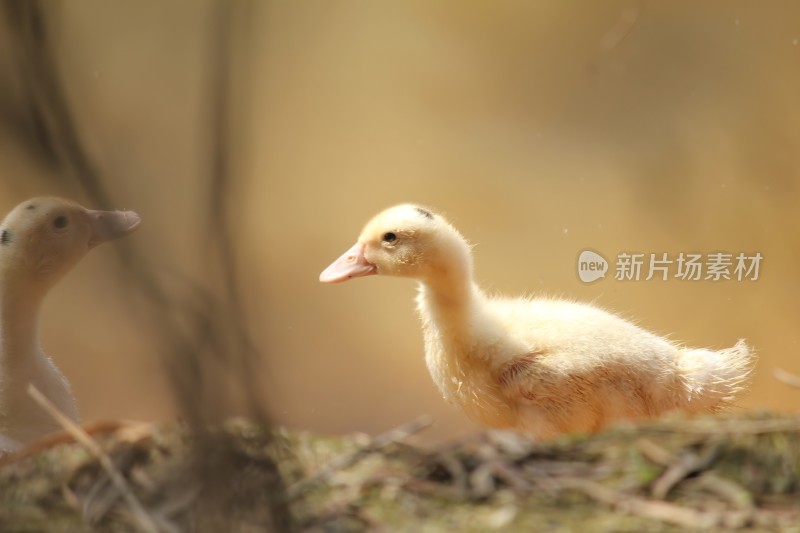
(40, 241)
(541, 366)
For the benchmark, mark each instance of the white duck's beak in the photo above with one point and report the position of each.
(352, 264)
(109, 225)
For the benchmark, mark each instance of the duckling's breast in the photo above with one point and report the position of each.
(464, 377)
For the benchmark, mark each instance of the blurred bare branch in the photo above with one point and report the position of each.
(47, 124)
(207, 350)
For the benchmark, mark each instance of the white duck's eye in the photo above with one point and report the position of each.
(60, 222)
(389, 237)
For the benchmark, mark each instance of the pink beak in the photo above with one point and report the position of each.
(108, 225)
(352, 264)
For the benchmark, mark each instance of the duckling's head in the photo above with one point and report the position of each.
(405, 240)
(43, 238)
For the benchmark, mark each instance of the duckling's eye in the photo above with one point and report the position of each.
(389, 237)
(60, 222)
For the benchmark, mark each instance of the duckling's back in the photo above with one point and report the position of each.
(584, 367)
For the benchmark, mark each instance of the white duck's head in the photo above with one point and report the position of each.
(405, 240)
(43, 238)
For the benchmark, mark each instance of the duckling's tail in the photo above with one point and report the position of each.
(714, 380)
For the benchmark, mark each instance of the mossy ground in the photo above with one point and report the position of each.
(722, 473)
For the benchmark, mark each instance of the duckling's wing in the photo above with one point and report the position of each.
(530, 379)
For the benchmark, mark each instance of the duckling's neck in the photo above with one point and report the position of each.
(19, 319)
(449, 302)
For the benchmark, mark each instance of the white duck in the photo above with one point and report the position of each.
(541, 366)
(40, 241)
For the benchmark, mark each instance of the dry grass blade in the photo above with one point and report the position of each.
(785, 377)
(140, 514)
(621, 29)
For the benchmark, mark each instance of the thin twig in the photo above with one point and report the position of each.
(653, 452)
(656, 510)
(349, 459)
(139, 513)
(726, 489)
(735, 427)
(54, 439)
(686, 464)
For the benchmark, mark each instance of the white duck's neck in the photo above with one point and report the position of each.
(19, 324)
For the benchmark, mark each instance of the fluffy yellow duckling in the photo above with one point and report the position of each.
(541, 366)
(40, 241)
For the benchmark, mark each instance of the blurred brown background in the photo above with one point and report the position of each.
(540, 129)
